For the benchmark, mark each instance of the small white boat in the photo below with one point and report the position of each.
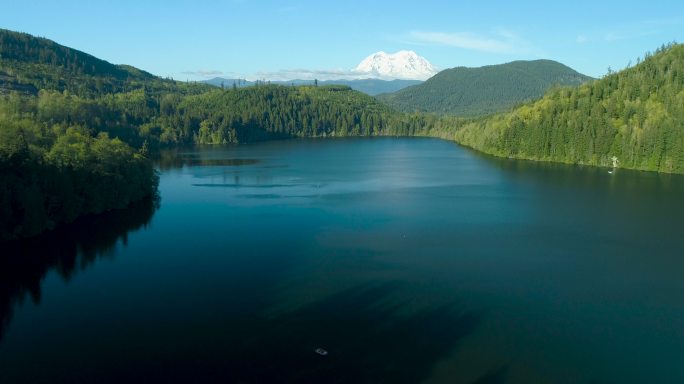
(321, 351)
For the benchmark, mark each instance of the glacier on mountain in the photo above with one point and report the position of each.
(405, 65)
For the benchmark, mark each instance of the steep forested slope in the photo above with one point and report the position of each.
(635, 115)
(29, 63)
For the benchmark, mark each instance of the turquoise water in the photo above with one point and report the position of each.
(409, 260)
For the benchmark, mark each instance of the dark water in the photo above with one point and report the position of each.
(408, 260)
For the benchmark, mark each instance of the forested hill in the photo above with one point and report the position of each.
(54, 172)
(480, 91)
(267, 112)
(635, 115)
(29, 63)
(75, 131)
(139, 108)
(61, 115)
(25, 48)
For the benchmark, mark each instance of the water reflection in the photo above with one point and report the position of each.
(67, 250)
(189, 157)
(564, 175)
(619, 201)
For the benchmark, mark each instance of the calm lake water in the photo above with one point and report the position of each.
(408, 260)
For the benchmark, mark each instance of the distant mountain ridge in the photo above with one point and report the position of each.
(378, 73)
(479, 91)
(370, 87)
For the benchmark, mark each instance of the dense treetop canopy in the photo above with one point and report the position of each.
(635, 116)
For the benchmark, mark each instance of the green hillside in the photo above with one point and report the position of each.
(29, 63)
(271, 111)
(58, 160)
(75, 130)
(635, 115)
(480, 91)
(54, 173)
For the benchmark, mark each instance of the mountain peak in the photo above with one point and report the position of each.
(399, 65)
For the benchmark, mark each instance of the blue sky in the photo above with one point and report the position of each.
(269, 39)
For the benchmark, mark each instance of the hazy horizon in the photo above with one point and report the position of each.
(304, 39)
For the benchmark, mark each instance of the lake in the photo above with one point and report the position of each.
(407, 259)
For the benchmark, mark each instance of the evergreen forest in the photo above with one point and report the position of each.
(78, 134)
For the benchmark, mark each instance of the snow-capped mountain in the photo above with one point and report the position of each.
(400, 65)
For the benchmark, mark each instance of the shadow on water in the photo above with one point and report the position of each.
(68, 249)
(369, 339)
(496, 376)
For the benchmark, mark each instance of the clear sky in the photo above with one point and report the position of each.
(264, 38)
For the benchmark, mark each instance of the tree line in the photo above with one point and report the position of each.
(54, 172)
(76, 132)
(634, 116)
